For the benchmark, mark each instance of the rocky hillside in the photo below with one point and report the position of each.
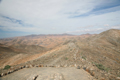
(99, 53)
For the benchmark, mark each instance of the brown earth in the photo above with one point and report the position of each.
(18, 50)
(99, 53)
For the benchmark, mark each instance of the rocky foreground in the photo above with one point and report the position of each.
(49, 73)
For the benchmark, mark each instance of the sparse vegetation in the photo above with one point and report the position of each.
(83, 57)
(119, 75)
(66, 58)
(101, 67)
(7, 67)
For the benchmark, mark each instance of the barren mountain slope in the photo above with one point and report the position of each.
(18, 50)
(99, 53)
(13, 55)
(103, 49)
(47, 41)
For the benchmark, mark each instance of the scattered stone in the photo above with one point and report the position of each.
(42, 66)
(89, 63)
(65, 65)
(61, 66)
(8, 72)
(11, 71)
(5, 74)
(26, 66)
(18, 68)
(35, 77)
(52, 66)
(23, 66)
(102, 79)
(11, 67)
(92, 73)
(39, 66)
(78, 67)
(88, 70)
(2, 75)
(36, 66)
(58, 66)
(84, 68)
(75, 65)
(45, 65)
(14, 70)
(111, 77)
(30, 66)
(117, 78)
(33, 65)
(91, 69)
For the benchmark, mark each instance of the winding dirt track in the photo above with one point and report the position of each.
(49, 73)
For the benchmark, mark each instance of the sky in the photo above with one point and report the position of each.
(26, 17)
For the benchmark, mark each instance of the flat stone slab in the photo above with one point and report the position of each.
(49, 73)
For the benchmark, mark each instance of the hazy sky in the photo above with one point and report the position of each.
(24, 17)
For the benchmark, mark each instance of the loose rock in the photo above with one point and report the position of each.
(78, 67)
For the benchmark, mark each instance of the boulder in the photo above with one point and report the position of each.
(84, 68)
(8, 72)
(2, 74)
(27, 66)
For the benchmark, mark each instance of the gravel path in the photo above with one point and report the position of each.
(49, 73)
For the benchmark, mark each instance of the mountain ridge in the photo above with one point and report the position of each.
(89, 52)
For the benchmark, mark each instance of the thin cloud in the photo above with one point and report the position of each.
(53, 17)
(94, 30)
(106, 25)
(115, 27)
(99, 12)
(86, 30)
(13, 20)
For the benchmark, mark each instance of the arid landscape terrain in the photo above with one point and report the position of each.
(61, 57)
